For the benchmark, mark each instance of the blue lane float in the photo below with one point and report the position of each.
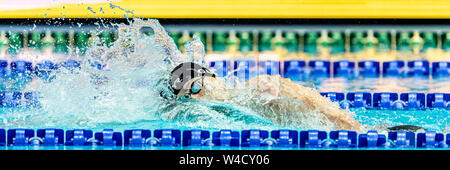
(270, 67)
(369, 68)
(393, 68)
(295, 70)
(372, 139)
(167, 137)
(136, 137)
(44, 70)
(359, 99)
(320, 68)
(448, 139)
(4, 71)
(430, 139)
(379, 100)
(20, 137)
(222, 67)
(10, 98)
(108, 138)
(21, 68)
(413, 100)
(31, 99)
(50, 137)
(245, 69)
(402, 139)
(19, 99)
(337, 97)
(387, 100)
(224, 138)
(417, 68)
(255, 138)
(313, 138)
(289, 68)
(79, 137)
(333, 96)
(285, 138)
(196, 138)
(343, 139)
(71, 65)
(438, 100)
(441, 69)
(2, 137)
(345, 69)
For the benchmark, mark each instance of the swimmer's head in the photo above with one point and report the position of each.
(187, 79)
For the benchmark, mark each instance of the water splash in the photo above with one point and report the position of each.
(126, 91)
(196, 50)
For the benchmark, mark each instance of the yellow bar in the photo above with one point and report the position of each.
(240, 9)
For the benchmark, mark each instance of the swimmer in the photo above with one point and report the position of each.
(194, 81)
(190, 80)
(282, 95)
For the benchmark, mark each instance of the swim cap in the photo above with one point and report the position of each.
(411, 128)
(185, 72)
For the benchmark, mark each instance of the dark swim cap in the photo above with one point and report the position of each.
(184, 72)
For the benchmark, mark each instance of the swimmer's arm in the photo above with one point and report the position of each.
(311, 99)
(331, 110)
